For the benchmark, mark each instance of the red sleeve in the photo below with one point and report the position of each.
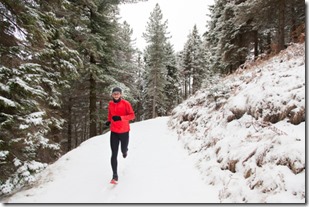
(130, 113)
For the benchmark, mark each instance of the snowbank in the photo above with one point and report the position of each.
(247, 132)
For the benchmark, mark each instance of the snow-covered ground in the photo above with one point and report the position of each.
(247, 131)
(157, 170)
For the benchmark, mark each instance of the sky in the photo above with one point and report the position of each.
(182, 15)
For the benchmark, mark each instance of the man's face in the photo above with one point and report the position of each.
(116, 95)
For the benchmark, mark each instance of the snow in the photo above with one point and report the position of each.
(157, 170)
(247, 131)
(3, 154)
(35, 118)
(7, 101)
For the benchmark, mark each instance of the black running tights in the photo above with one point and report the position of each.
(115, 139)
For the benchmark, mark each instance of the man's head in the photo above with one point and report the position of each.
(117, 89)
(116, 93)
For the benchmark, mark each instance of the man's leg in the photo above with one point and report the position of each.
(114, 141)
(124, 138)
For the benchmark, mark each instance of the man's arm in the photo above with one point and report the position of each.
(130, 113)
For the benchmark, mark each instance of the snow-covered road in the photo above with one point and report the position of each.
(157, 170)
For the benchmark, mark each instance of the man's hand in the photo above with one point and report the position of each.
(107, 123)
(116, 118)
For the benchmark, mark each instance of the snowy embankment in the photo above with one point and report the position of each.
(157, 170)
(247, 133)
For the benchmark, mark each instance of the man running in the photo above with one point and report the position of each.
(120, 112)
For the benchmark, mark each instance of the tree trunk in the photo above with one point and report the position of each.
(190, 85)
(74, 129)
(101, 124)
(281, 25)
(92, 107)
(154, 100)
(70, 124)
(186, 88)
(256, 44)
(293, 34)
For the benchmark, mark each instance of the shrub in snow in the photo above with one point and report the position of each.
(24, 175)
(247, 131)
(29, 123)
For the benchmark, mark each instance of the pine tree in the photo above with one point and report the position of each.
(33, 78)
(138, 106)
(230, 43)
(102, 29)
(172, 86)
(155, 60)
(279, 17)
(213, 36)
(95, 28)
(193, 63)
(126, 69)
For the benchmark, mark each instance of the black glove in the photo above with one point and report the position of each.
(116, 118)
(107, 123)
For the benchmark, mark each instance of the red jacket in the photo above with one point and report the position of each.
(125, 111)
